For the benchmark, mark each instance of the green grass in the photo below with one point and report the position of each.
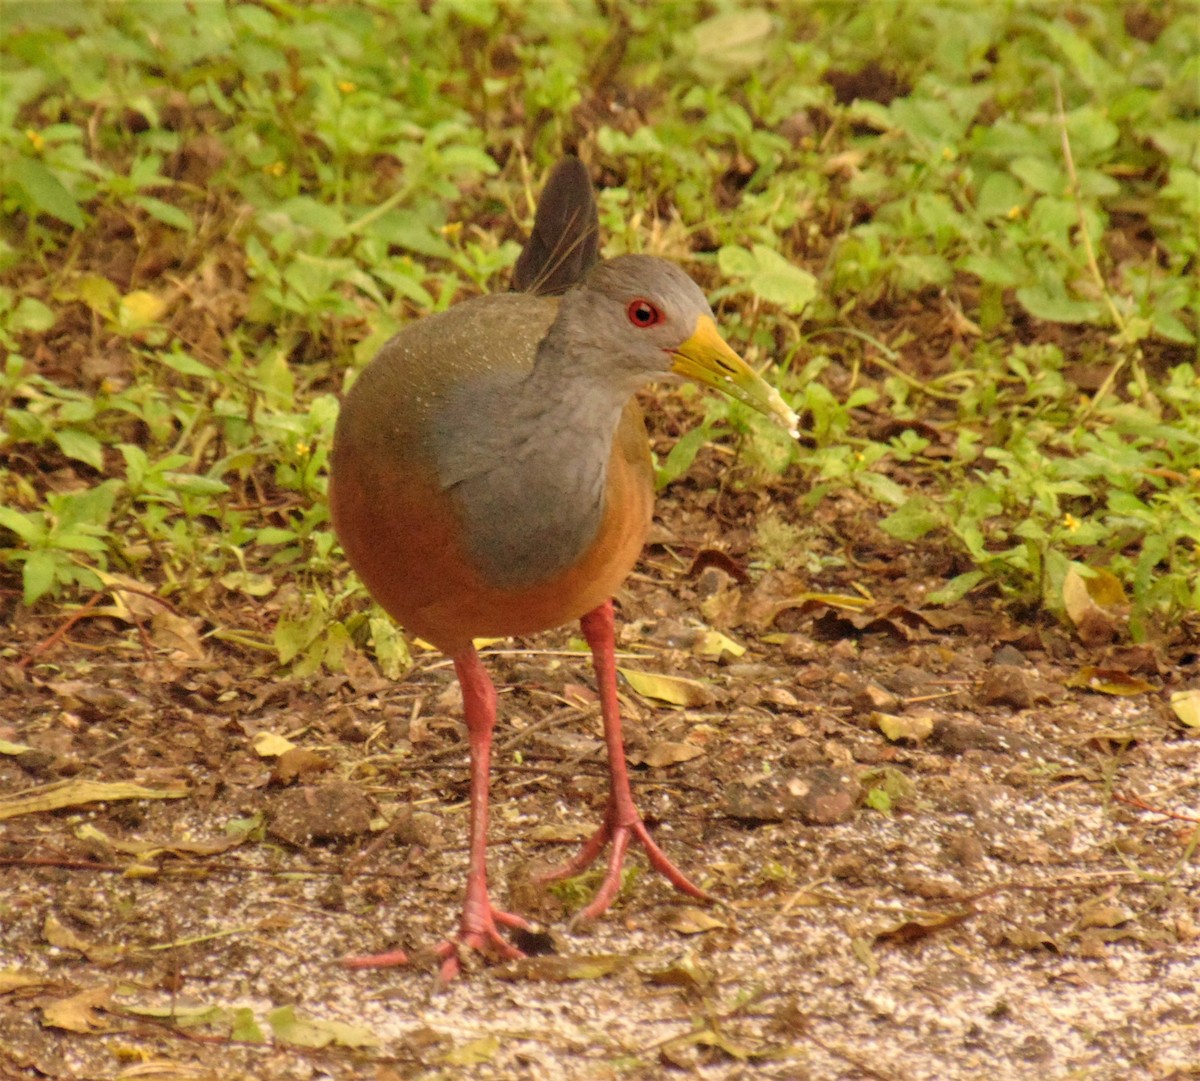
(214, 214)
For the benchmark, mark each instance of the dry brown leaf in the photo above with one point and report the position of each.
(298, 764)
(690, 920)
(560, 831)
(80, 1012)
(1027, 938)
(665, 753)
(1103, 914)
(687, 973)
(1094, 603)
(911, 930)
(1114, 681)
(174, 633)
(11, 980)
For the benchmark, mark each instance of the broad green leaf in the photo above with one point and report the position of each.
(28, 527)
(45, 192)
(167, 213)
(309, 1032)
(1054, 306)
(916, 517)
(999, 195)
(780, 282)
(38, 575)
(82, 446)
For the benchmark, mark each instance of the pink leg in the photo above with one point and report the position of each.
(479, 927)
(622, 822)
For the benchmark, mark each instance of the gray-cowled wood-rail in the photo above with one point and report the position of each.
(492, 476)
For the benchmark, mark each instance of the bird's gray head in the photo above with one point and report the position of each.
(639, 310)
(636, 318)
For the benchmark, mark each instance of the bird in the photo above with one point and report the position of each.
(491, 476)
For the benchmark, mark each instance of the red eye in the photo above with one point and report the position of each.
(642, 313)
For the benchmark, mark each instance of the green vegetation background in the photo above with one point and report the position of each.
(965, 235)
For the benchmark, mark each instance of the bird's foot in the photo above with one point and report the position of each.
(480, 931)
(483, 936)
(619, 836)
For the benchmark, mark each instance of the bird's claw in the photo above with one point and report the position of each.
(479, 932)
(619, 837)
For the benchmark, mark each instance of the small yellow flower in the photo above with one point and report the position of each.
(302, 449)
(1014, 212)
(276, 168)
(346, 86)
(949, 153)
(35, 137)
(452, 229)
(1071, 522)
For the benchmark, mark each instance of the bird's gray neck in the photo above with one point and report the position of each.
(525, 461)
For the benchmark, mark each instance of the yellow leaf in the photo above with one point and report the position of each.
(673, 689)
(271, 744)
(98, 293)
(914, 726)
(834, 600)
(714, 643)
(562, 969)
(54, 797)
(1186, 706)
(475, 1053)
(562, 832)
(140, 308)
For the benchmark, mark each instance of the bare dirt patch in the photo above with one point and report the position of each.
(1005, 888)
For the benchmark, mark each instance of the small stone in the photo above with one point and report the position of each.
(872, 698)
(957, 736)
(1009, 655)
(826, 796)
(418, 828)
(1007, 685)
(965, 849)
(763, 799)
(332, 812)
(819, 796)
(713, 580)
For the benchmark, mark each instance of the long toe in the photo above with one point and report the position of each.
(388, 959)
(619, 837)
(485, 940)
